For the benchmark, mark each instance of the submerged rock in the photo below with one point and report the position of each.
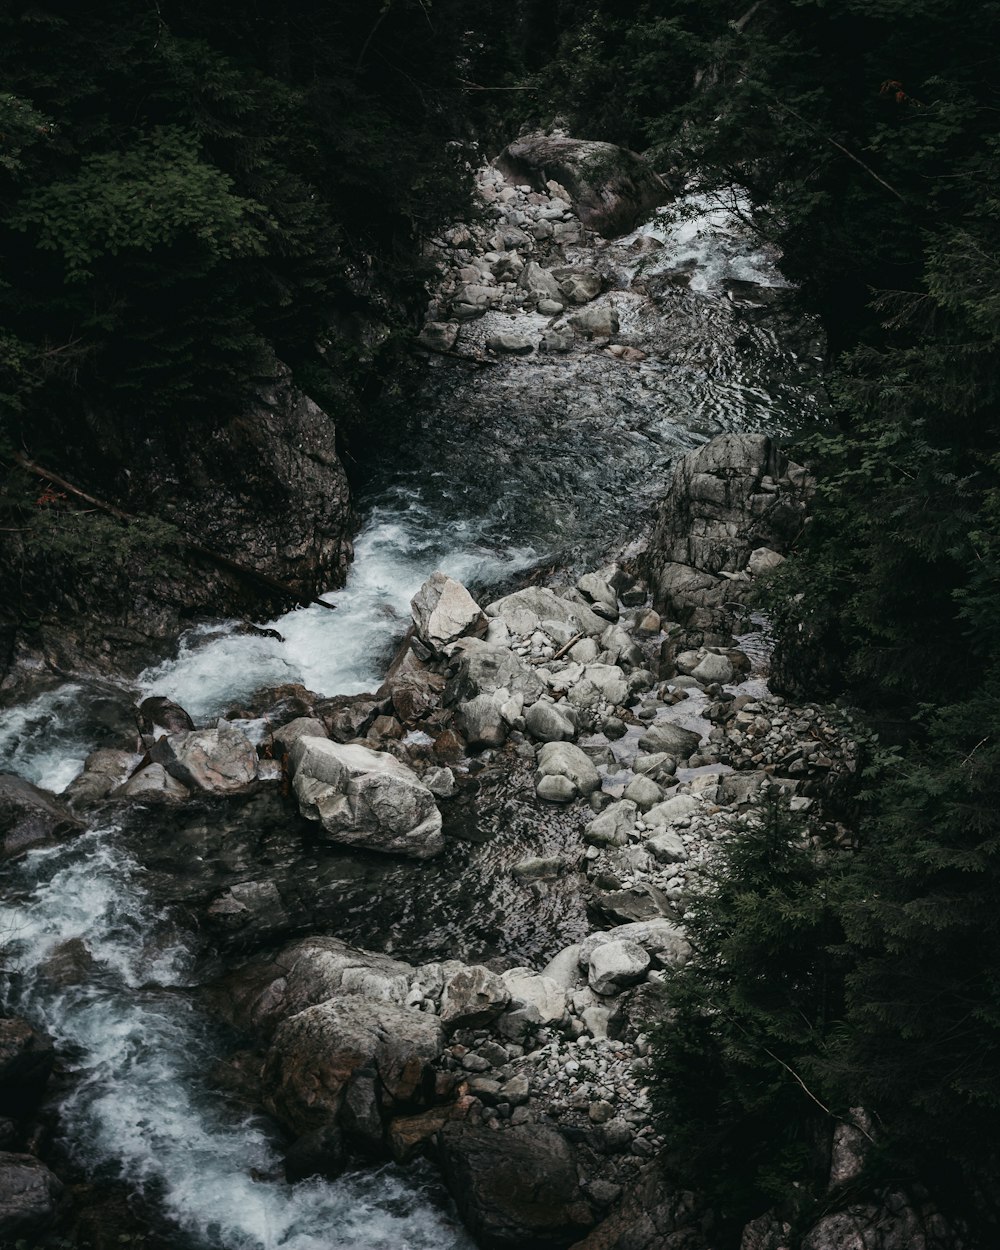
(30, 818)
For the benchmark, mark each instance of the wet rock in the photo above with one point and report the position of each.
(159, 713)
(26, 1060)
(365, 798)
(153, 784)
(284, 739)
(220, 761)
(319, 1153)
(482, 722)
(548, 723)
(539, 868)
(615, 965)
(661, 939)
(444, 611)
(515, 1189)
(643, 792)
(315, 1053)
(659, 766)
(526, 610)
(438, 336)
(612, 189)
(714, 668)
(472, 996)
(613, 826)
(896, 1221)
(599, 321)
(103, 771)
(30, 1196)
(671, 739)
(562, 759)
(30, 818)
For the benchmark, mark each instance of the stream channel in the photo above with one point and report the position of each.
(539, 461)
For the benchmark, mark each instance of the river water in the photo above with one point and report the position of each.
(541, 461)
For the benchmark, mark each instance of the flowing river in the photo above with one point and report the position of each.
(536, 462)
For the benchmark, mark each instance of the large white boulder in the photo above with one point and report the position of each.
(444, 611)
(365, 798)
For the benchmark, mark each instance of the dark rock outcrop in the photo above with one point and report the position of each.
(612, 188)
(29, 1197)
(31, 818)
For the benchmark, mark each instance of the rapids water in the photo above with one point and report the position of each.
(543, 461)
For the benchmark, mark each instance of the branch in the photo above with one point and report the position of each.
(840, 148)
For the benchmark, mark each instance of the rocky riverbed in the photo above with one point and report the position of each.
(437, 920)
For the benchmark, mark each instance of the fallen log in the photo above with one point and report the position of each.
(273, 584)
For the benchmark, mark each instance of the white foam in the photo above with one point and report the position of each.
(139, 1100)
(339, 652)
(43, 740)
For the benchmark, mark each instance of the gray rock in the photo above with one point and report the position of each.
(438, 336)
(472, 996)
(544, 996)
(547, 723)
(612, 189)
(598, 591)
(616, 964)
(482, 722)
(485, 668)
(659, 766)
(600, 683)
(613, 825)
(599, 321)
(539, 868)
(763, 560)
(662, 939)
(525, 610)
(509, 343)
(556, 789)
(29, 817)
(667, 847)
(441, 783)
(444, 611)
(621, 648)
(564, 968)
(579, 286)
(514, 1189)
(29, 1196)
(664, 736)
(316, 1052)
(104, 770)
(643, 792)
(365, 798)
(153, 784)
(556, 339)
(714, 668)
(675, 808)
(302, 727)
(219, 761)
(539, 282)
(562, 759)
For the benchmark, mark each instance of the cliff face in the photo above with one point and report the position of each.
(264, 489)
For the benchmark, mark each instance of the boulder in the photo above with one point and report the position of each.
(675, 808)
(482, 722)
(160, 713)
(444, 611)
(438, 336)
(659, 766)
(539, 282)
(285, 737)
(611, 188)
(562, 759)
(714, 668)
(472, 996)
(153, 784)
(29, 1197)
(506, 342)
(538, 996)
(220, 761)
(525, 610)
(599, 321)
(613, 825)
(667, 847)
(616, 964)
(104, 770)
(485, 668)
(665, 736)
(660, 938)
(315, 1054)
(516, 1190)
(365, 798)
(643, 792)
(578, 285)
(547, 722)
(31, 818)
